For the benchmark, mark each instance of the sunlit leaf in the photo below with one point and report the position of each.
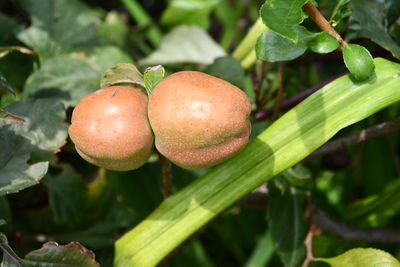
(283, 16)
(287, 141)
(122, 74)
(152, 76)
(359, 61)
(365, 257)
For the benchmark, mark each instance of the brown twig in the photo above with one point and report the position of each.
(349, 232)
(320, 20)
(166, 175)
(308, 243)
(362, 136)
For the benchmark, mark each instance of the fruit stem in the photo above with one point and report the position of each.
(166, 175)
(322, 23)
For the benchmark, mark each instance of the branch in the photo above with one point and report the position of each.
(362, 136)
(320, 20)
(349, 232)
(166, 175)
(293, 101)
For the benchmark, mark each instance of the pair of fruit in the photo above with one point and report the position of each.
(196, 120)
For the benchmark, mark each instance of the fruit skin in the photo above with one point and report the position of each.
(110, 128)
(198, 120)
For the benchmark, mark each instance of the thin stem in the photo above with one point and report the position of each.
(140, 15)
(166, 176)
(308, 243)
(362, 136)
(320, 20)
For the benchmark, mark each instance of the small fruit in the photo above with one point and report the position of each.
(198, 120)
(110, 128)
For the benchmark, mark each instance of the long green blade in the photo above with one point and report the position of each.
(290, 139)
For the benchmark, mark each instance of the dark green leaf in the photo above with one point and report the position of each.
(72, 76)
(358, 61)
(8, 118)
(5, 85)
(369, 20)
(185, 44)
(286, 223)
(323, 43)
(113, 31)
(228, 69)
(68, 195)
(283, 16)
(5, 50)
(152, 76)
(58, 25)
(365, 257)
(272, 47)
(263, 252)
(336, 16)
(123, 73)
(44, 128)
(55, 255)
(10, 258)
(189, 12)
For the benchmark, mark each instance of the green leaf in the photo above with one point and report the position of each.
(55, 255)
(263, 252)
(68, 195)
(358, 61)
(5, 50)
(286, 142)
(189, 12)
(365, 257)
(44, 128)
(368, 20)
(185, 44)
(152, 76)
(123, 73)
(283, 16)
(285, 204)
(298, 176)
(228, 69)
(272, 47)
(8, 118)
(72, 76)
(337, 13)
(10, 258)
(323, 43)
(5, 85)
(58, 25)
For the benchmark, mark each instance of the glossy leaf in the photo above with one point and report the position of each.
(283, 16)
(152, 76)
(285, 204)
(70, 77)
(55, 255)
(122, 74)
(287, 141)
(188, 12)
(359, 61)
(272, 47)
(185, 44)
(365, 257)
(323, 43)
(368, 21)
